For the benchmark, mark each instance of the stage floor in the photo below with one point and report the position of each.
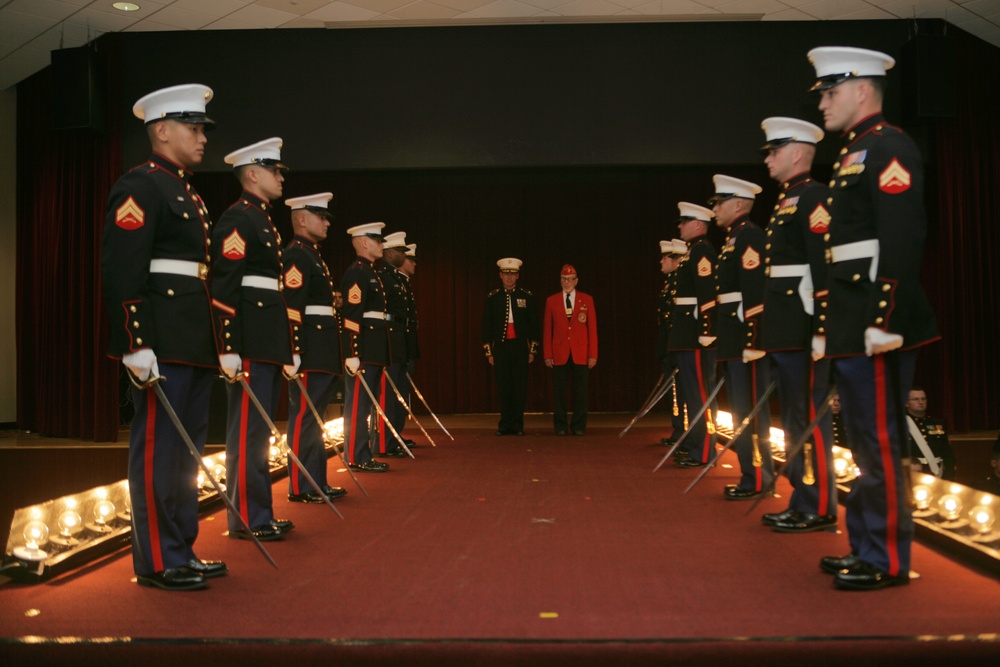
(520, 543)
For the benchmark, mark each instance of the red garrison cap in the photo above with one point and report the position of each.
(568, 270)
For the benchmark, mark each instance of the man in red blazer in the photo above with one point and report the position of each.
(569, 344)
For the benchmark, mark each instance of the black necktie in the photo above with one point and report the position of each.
(569, 307)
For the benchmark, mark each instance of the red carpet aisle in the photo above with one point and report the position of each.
(543, 547)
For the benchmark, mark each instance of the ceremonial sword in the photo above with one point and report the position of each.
(408, 410)
(659, 391)
(424, 401)
(691, 423)
(381, 414)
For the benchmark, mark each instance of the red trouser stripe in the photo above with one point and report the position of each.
(152, 518)
(354, 417)
(704, 399)
(381, 423)
(241, 472)
(758, 473)
(297, 433)
(888, 467)
(819, 446)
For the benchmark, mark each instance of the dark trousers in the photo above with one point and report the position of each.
(873, 391)
(248, 443)
(697, 372)
(580, 374)
(165, 512)
(745, 384)
(510, 363)
(393, 409)
(305, 436)
(357, 407)
(673, 396)
(802, 387)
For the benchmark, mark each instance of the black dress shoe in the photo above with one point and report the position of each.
(737, 493)
(501, 431)
(174, 579)
(518, 432)
(690, 463)
(667, 442)
(560, 431)
(409, 443)
(265, 533)
(806, 523)
(311, 497)
(681, 454)
(577, 432)
(396, 452)
(207, 568)
(369, 466)
(864, 576)
(284, 525)
(834, 564)
(771, 519)
(333, 492)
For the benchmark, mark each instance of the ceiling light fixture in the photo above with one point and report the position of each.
(126, 6)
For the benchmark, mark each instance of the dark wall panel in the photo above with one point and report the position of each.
(622, 94)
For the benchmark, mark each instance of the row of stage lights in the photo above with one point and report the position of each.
(58, 534)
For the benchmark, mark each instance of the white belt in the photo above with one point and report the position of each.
(260, 282)
(805, 284)
(179, 267)
(686, 301)
(789, 270)
(319, 310)
(377, 315)
(858, 250)
(730, 297)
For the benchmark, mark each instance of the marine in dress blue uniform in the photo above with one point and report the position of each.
(511, 335)
(154, 267)
(691, 332)
(795, 266)
(316, 339)
(407, 271)
(364, 343)
(397, 309)
(877, 314)
(253, 335)
(740, 283)
(670, 254)
(935, 438)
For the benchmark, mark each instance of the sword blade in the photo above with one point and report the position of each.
(385, 420)
(274, 430)
(749, 419)
(691, 423)
(322, 427)
(654, 392)
(169, 409)
(402, 402)
(424, 401)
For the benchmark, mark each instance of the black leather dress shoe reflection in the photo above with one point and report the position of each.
(690, 463)
(737, 493)
(311, 497)
(864, 576)
(284, 525)
(369, 466)
(834, 564)
(207, 568)
(771, 519)
(560, 431)
(266, 533)
(806, 523)
(333, 492)
(173, 579)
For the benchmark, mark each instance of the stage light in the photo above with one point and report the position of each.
(35, 535)
(104, 512)
(922, 496)
(982, 518)
(949, 506)
(69, 523)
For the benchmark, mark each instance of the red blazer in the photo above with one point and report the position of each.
(578, 334)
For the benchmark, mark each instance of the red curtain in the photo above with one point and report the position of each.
(66, 385)
(962, 374)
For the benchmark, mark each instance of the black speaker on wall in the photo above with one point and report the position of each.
(79, 96)
(929, 78)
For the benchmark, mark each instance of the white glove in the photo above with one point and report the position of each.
(880, 342)
(141, 363)
(752, 355)
(352, 365)
(230, 364)
(818, 347)
(705, 341)
(290, 371)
